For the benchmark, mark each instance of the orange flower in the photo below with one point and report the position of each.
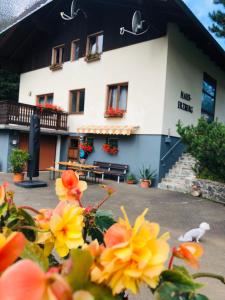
(30, 282)
(189, 252)
(69, 187)
(133, 255)
(44, 218)
(10, 249)
(116, 234)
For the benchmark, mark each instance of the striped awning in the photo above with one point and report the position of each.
(111, 130)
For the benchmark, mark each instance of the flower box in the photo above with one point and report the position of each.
(93, 57)
(56, 67)
(114, 113)
(110, 149)
(49, 107)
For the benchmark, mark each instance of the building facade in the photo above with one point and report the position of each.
(124, 90)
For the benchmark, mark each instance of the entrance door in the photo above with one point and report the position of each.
(73, 149)
(47, 149)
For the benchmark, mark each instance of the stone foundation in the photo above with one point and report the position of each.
(211, 190)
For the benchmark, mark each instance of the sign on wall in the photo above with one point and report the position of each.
(184, 106)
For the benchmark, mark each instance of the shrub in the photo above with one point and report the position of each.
(206, 143)
(18, 159)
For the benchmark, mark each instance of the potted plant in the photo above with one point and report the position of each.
(146, 176)
(18, 160)
(131, 179)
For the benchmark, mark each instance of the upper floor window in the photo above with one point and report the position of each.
(77, 99)
(75, 50)
(45, 99)
(117, 96)
(58, 55)
(208, 98)
(94, 46)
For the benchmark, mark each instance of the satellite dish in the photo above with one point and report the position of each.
(74, 11)
(137, 25)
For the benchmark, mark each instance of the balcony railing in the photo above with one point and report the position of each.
(20, 114)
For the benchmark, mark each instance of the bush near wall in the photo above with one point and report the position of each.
(206, 142)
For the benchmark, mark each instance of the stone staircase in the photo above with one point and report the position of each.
(181, 176)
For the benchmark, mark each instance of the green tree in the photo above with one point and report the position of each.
(218, 18)
(206, 142)
(9, 85)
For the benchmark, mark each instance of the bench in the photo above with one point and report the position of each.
(111, 169)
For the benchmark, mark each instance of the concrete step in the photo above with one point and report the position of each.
(181, 176)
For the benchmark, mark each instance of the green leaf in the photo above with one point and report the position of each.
(182, 270)
(167, 291)
(180, 278)
(104, 219)
(82, 261)
(35, 253)
(3, 209)
(101, 292)
(199, 297)
(95, 233)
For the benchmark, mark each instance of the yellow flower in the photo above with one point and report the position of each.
(133, 255)
(69, 187)
(66, 225)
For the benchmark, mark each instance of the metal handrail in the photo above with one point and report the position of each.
(170, 150)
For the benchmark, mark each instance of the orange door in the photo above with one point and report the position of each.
(47, 149)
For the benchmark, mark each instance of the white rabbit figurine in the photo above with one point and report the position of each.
(195, 234)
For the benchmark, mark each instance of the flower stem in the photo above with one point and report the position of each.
(102, 202)
(171, 260)
(209, 275)
(30, 208)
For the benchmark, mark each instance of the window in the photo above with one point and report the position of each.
(77, 98)
(75, 50)
(45, 99)
(117, 96)
(94, 44)
(113, 142)
(208, 98)
(58, 55)
(89, 140)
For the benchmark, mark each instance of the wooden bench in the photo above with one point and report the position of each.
(111, 169)
(53, 171)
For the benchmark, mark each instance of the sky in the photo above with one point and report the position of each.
(201, 9)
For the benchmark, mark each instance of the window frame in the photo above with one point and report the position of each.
(89, 140)
(108, 95)
(45, 98)
(211, 81)
(109, 142)
(78, 102)
(96, 34)
(53, 62)
(73, 50)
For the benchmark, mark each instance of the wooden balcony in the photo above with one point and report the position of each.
(20, 114)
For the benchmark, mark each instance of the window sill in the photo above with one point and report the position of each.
(92, 57)
(113, 116)
(76, 113)
(56, 67)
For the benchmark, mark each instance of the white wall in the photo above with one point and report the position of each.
(142, 65)
(185, 67)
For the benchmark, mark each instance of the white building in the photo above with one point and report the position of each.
(174, 71)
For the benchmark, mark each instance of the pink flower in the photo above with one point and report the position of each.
(25, 280)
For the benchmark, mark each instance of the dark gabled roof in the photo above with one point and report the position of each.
(174, 11)
(28, 11)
